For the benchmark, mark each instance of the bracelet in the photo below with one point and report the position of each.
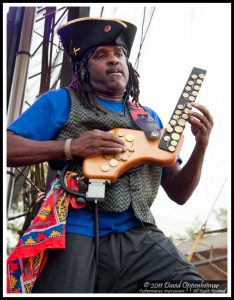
(67, 149)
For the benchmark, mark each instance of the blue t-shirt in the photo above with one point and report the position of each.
(47, 116)
(42, 122)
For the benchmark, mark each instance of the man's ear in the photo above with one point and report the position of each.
(84, 73)
(80, 71)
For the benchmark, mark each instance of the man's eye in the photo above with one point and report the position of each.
(100, 56)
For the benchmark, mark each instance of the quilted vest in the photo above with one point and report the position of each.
(139, 188)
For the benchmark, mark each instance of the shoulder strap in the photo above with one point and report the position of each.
(144, 121)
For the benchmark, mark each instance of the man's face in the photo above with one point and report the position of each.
(108, 71)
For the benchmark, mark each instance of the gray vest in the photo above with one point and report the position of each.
(138, 188)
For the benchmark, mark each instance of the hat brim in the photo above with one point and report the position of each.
(80, 35)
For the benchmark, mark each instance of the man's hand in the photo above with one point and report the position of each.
(23, 152)
(96, 142)
(201, 124)
(178, 183)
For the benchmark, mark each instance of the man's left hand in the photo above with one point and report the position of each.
(201, 124)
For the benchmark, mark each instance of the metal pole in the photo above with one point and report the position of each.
(21, 66)
(19, 82)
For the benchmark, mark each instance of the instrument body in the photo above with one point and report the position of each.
(145, 152)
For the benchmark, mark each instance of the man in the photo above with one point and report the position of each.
(73, 124)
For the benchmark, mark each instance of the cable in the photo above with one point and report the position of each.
(142, 40)
(81, 198)
(96, 236)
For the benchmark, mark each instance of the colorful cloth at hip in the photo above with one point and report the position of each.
(46, 231)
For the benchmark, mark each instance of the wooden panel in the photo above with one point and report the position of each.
(145, 151)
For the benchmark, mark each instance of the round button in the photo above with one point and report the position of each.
(199, 81)
(194, 76)
(185, 95)
(125, 156)
(171, 148)
(187, 110)
(194, 93)
(201, 76)
(181, 122)
(174, 143)
(197, 87)
(173, 122)
(130, 148)
(118, 156)
(178, 112)
(189, 105)
(169, 128)
(178, 129)
(191, 98)
(180, 106)
(188, 88)
(175, 136)
(113, 162)
(185, 116)
(175, 117)
(190, 82)
(166, 138)
(129, 137)
(105, 168)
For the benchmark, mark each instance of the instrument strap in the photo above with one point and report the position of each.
(144, 121)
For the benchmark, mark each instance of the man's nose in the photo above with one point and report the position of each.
(112, 59)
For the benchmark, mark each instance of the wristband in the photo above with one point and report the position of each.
(67, 149)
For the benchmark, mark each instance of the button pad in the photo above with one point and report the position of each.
(179, 118)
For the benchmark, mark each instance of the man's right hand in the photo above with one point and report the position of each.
(23, 152)
(96, 142)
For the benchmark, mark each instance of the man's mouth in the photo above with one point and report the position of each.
(115, 71)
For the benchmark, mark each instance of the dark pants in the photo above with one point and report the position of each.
(142, 253)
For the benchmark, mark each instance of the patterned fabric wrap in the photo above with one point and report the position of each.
(138, 188)
(46, 231)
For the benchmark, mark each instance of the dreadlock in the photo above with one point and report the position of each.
(132, 88)
(85, 92)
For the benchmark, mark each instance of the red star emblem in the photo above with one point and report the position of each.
(107, 28)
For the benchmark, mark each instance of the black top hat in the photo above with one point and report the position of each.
(80, 35)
